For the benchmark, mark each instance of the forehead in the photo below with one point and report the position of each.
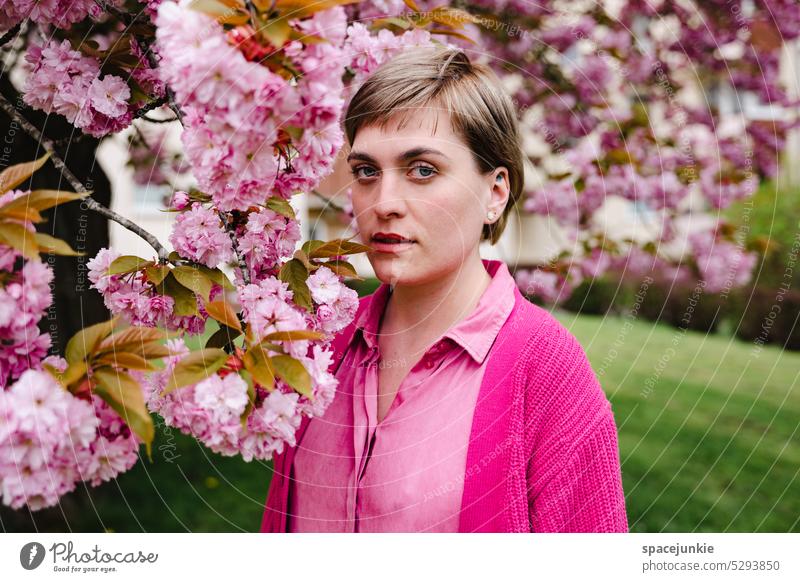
(429, 125)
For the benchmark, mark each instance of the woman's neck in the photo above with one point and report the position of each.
(430, 309)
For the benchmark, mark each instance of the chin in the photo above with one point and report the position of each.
(403, 272)
(394, 271)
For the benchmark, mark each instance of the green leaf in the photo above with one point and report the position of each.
(196, 366)
(222, 337)
(311, 245)
(276, 31)
(295, 131)
(156, 273)
(293, 373)
(124, 395)
(145, 341)
(281, 206)
(84, 343)
(257, 362)
(300, 334)
(128, 264)
(224, 313)
(193, 279)
(225, 11)
(336, 248)
(126, 360)
(20, 238)
(341, 268)
(294, 273)
(216, 276)
(51, 244)
(303, 8)
(251, 397)
(24, 213)
(75, 371)
(44, 199)
(301, 256)
(15, 175)
(185, 299)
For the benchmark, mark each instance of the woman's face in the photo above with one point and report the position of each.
(419, 182)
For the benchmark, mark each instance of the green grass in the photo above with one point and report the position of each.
(713, 446)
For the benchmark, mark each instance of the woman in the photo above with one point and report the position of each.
(461, 405)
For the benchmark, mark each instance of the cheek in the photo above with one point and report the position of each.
(462, 212)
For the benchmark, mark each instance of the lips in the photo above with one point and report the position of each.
(391, 243)
(390, 238)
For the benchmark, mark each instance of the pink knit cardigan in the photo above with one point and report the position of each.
(543, 453)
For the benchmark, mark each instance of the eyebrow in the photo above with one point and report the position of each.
(407, 155)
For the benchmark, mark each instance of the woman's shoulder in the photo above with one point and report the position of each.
(552, 362)
(544, 336)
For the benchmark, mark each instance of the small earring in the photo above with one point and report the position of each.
(491, 215)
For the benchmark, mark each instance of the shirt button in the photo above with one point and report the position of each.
(428, 363)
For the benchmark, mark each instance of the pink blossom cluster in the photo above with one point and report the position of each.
(548, 285)
(367, 51)
(336, 303)
(50, 440)
(266, 238)
(722, 264)
(211, 409)
(721, 192)
(268, 307)
(64, 81)
(197, 234)
(236, 109)
(136, 299)
(24, 298)
(59, 13)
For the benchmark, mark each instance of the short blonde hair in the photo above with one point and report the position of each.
(481, 111)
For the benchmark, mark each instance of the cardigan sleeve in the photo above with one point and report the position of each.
(573, 473)
(585, 494)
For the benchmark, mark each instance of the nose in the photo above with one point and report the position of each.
(389, 202)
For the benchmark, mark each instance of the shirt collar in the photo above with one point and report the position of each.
(475, 333)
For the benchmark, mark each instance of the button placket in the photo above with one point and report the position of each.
(434, 353)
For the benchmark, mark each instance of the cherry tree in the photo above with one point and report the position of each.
(259, 88)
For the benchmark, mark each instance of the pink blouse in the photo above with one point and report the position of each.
(406, 473)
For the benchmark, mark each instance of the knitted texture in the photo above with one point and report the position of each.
(543, 453)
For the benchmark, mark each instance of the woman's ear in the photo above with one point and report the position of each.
(500, 191)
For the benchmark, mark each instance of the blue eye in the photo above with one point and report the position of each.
(426, 171)
(355, 171)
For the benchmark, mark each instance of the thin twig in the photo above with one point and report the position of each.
(146, 48)
(10, 34)
(232, 234)
(152, 120)
(76, 184)
(125, 17)
(156, 103)
(328, 201)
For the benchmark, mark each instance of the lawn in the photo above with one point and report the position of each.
(708, 425)
(708, 437)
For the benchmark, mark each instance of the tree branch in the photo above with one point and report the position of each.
(328, 201)
(146, 47)
(76, 184)
(225, 219)
(10, 34)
